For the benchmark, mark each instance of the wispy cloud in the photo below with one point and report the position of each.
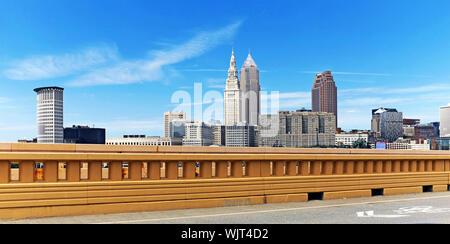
(4, 99)
(152, 68)
(204, 70)
(102, 64)
(53, 66)
(387, 90)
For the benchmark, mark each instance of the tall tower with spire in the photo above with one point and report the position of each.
(250, 90)
(232, 95)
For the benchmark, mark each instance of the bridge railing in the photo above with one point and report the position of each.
(28, 167)
(39, 180)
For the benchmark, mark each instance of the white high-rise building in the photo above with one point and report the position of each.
(250, 90)
(445, 121)
(232, 95)
(198, 134)
(169, 117)
(50, 119)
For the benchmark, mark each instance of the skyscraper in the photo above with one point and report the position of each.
(250, 90)
(387, 123)
(232, 95)
(445, 121)
(50, 104)
(169, 117)
(324, 94)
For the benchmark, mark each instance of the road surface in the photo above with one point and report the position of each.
(432, 207)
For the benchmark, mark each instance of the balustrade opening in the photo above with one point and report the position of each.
(14, 171)
(105, 171)
(39, 171)
(62, 171)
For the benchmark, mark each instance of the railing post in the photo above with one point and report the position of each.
(95, 171)
(421, 166)
(135, 170)
(413, 166)
(73, 171)
(405, 166)
(439, 165)
(26, 171)
(387, 166)
(360, 167)
(379, 166)
(264, 168)
(396, 166)
(292, 168)
(339, 167)
(369, 167)
(115, 170)
(221, 169)
(429, 165)
(172, 170)
(280, 168)
(4, 171)
(253, 168)
(206, 169)
(189, 170)
(236, 169)
(305, 167)
(349, 167)
(51, 171)
(328, 168)
(154, 170)
(316, 167)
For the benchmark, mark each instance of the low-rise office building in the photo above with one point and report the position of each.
(298, 129)
(84, 135)
(142, 140)
(348, 139)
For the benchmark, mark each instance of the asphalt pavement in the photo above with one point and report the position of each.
(421, 208)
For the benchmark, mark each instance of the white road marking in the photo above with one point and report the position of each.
(269, 211)
(370, 214)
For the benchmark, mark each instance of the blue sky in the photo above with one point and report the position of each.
(120, 62)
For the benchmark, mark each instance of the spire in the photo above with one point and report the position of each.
(232, 62)
(232, 80)
(249, 62)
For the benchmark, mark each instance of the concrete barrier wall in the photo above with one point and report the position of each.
(58, 180)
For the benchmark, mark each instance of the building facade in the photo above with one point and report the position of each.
(324, 94)
(240, 135)
(427, 131)
(142, 140)
(177, 128)
(232, 95)
(387, 123)
(445, 121)
(218, 135)
(298, 129)
(50, 114)
(250, 91)
(198, 134)
(169, 117)
(348, 139)
(84, 135)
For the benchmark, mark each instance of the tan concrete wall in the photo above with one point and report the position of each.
(225, 177)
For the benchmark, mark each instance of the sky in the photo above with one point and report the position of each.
(122, 64)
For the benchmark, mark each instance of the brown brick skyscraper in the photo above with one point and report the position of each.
(324, 94)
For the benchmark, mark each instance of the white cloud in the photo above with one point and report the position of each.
(53, 66)
(151, 69)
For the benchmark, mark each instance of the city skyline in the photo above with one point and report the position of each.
(125, 84)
